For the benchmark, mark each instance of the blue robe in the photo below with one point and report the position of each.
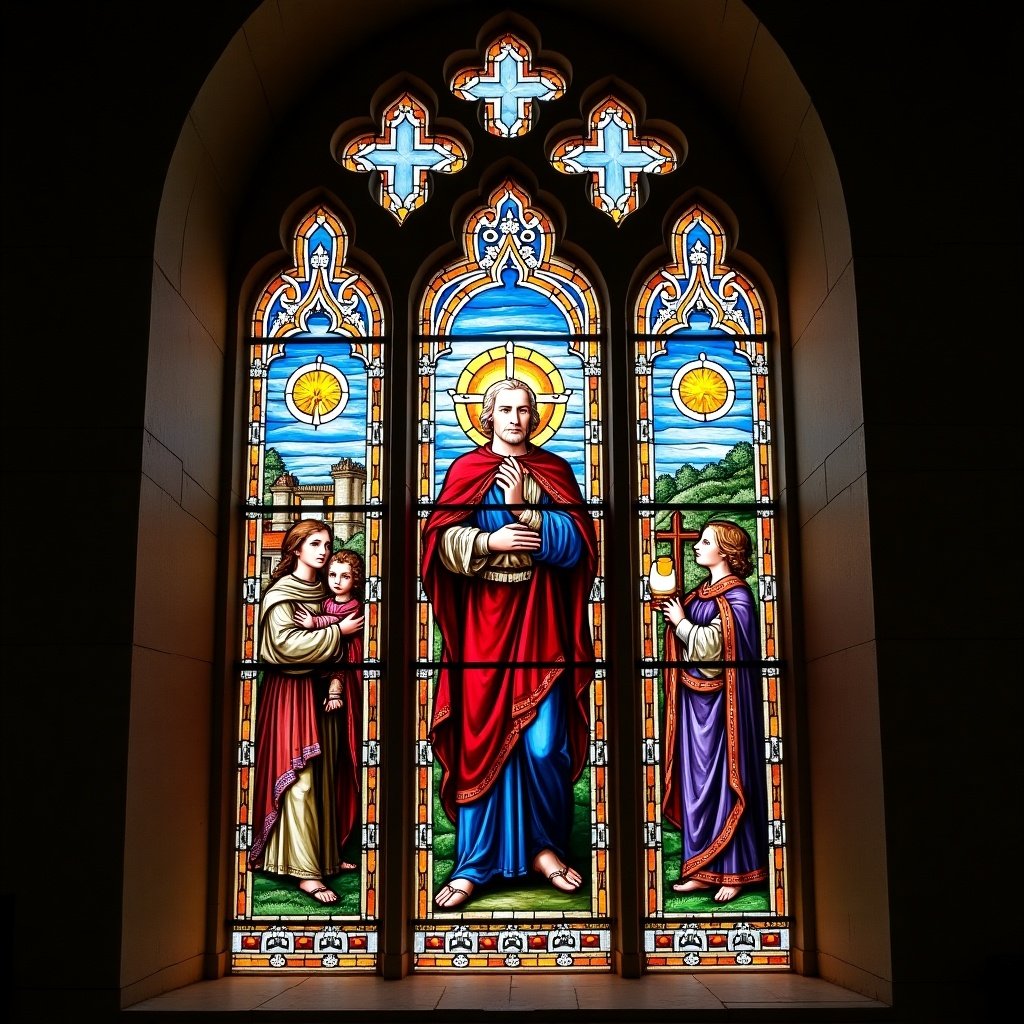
(530, 806)
(511, 715)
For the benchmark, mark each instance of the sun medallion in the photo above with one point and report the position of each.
(703, 390)
(316, 393)
(516, 362)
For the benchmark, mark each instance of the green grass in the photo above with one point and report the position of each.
(277, 896)
(753, 898)
(527, 894)
(280, 896)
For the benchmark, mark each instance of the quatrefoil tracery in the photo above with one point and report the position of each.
(614, 157)
(404, 154)
(509, 85)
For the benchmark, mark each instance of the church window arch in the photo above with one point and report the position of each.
(685, 348)
(712, 727)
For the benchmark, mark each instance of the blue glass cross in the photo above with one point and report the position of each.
(403, 154)
(615, 158)
(507, 83)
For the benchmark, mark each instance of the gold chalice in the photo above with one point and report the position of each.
(662, 579)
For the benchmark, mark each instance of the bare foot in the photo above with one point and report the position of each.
(728, 892)
(691, 885)
(457, 891)
(346, 866)
(556, 872)
(315, 888)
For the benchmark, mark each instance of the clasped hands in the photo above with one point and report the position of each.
(513, 536)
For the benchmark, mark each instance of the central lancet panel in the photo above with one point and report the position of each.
(511, 750)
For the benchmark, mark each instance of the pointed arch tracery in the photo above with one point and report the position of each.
(509, 236)
(698, 284)
(318, 294)
(704, 451)
(510, 306)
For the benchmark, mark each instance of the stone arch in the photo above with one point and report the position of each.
(268, 62)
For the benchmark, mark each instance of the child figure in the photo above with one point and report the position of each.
(345, 582)
(341, 735)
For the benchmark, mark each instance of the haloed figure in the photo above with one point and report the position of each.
(509, 556)
(714, 780)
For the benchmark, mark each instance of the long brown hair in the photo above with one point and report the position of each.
(734, 543)
(293, 540)
(491, 395)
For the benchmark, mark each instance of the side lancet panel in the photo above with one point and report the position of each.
(310, 667)
(711, 683)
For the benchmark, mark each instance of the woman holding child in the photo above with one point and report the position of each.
(306, 780)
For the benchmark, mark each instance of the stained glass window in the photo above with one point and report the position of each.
(512, 861)
(310, 668)
(511, 759)
(715, 887)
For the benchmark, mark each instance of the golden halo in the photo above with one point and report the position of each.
(525, 364)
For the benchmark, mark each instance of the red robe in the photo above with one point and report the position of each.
(480, 712)
(293, 730)
(341, 734)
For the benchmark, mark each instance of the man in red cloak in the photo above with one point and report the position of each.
(509, 556)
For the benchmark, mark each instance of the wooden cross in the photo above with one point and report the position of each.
(676, 536)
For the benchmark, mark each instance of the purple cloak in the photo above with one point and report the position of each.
(714, 769)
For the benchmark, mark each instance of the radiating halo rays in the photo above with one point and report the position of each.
(520, 363)
(703, 390)
(316, 393)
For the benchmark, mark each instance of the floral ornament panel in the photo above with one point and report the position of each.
(508, 249)
(614, 157)
(318, 294)
(698, 290)
(404, 154)
(508, 84)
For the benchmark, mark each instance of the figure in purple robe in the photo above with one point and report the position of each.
(714, 769)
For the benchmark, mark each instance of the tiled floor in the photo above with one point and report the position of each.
(565, 998)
